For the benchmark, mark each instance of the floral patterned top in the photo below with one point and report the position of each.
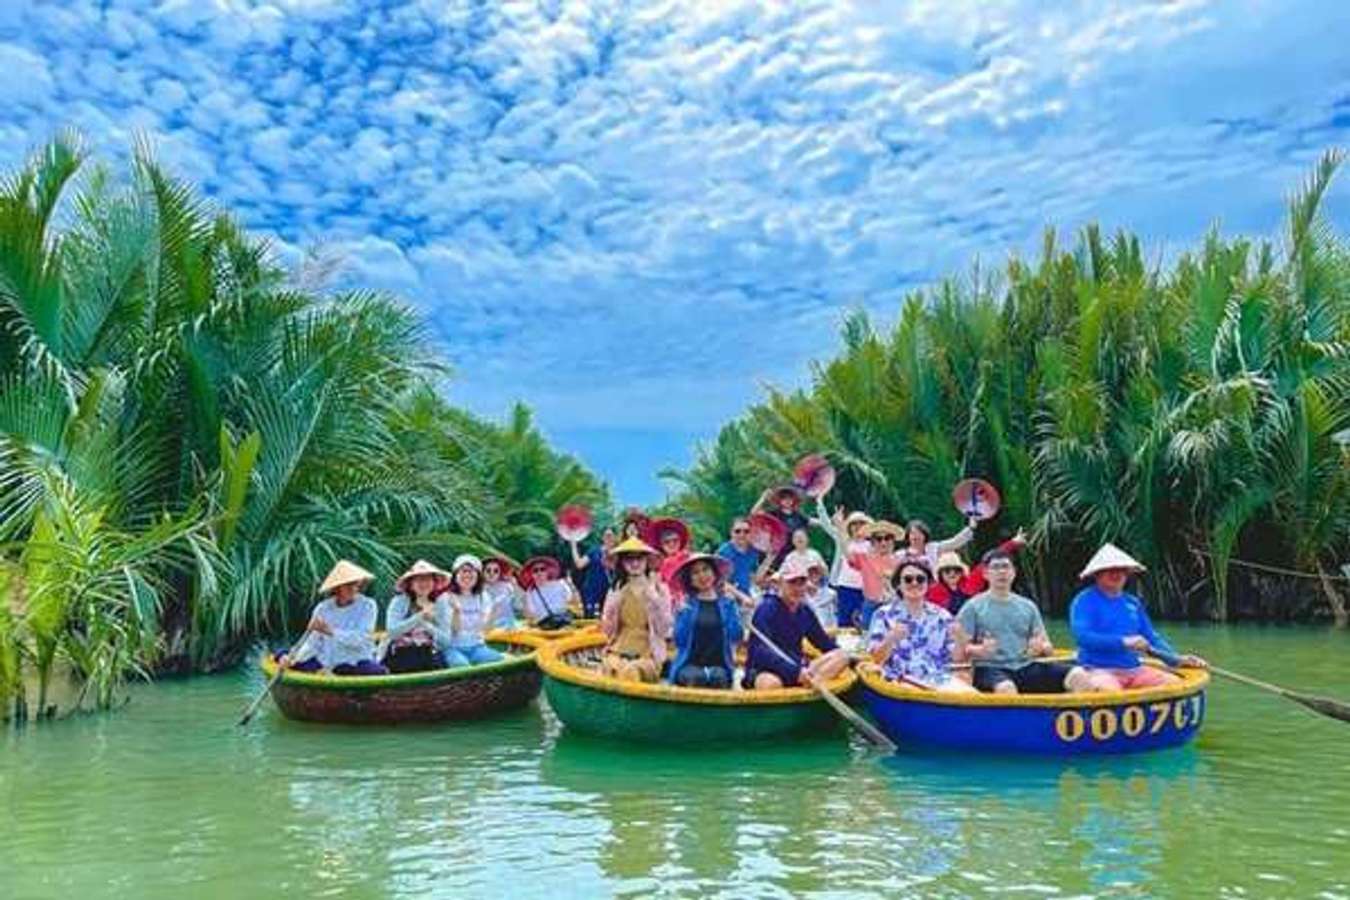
(926, 652)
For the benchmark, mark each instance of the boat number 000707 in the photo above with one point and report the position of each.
(1106, 722)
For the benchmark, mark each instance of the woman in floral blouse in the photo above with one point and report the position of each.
(913, 639)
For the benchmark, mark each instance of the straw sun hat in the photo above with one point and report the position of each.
(882, 527)
(950, 559)
(635, 547)
(422, 567)
(857, 517)
(344, 573)
(1110, 557)
(526, 576)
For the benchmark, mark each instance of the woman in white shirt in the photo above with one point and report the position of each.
(547, 594)
(470, 615)
(803, 555)
(921, 545)
(821, 598)
(417, 620)
(499, 586)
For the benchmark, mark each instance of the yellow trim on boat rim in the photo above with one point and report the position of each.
(1192, 682)
(542, 636)
(554, 666)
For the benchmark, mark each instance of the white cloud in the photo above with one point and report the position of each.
(593, 199)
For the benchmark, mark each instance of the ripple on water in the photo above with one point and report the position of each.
(169, 799)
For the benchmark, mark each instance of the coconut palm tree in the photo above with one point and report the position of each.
(1189, 411)
(157, 366)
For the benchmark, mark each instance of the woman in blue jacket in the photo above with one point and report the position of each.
(707, 626)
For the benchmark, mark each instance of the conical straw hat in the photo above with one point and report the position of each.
(344, 573)
(635, 546)
(1110, 557)
(422, 567)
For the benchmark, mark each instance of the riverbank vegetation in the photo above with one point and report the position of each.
(190, 434)
(1194, 409)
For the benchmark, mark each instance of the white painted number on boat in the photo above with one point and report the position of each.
(1069, 726)
(1103, 723)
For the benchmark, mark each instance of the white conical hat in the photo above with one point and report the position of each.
(344, 573)
(1110, 557)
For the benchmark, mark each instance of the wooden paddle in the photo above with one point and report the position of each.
(865, 728)
(1332, 709)
(281, 670)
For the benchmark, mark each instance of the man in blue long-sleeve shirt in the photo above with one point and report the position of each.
(1112, 628)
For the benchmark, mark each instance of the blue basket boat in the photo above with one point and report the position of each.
(1045, 724)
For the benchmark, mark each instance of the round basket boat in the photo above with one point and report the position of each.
(587, 701)
(540, 635)
(467, 692)
(1047, 724)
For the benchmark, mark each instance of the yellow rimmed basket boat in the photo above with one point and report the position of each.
(1047, 724)
(587, 701)
(467, 692)
(540, 635)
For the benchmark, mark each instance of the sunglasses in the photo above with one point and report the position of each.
(740, 531)
(539, 570)
(913, 579)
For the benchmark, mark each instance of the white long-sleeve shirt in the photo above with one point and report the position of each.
(353, 637)
(546, 599)
(841, 573)
(471, 617)
(503, 596)
(933, 549)
(402, 619)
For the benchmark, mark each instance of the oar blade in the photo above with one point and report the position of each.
(1328, 707)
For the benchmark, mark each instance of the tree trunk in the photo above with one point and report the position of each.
(1340, 617)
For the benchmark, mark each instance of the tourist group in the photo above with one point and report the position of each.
(738, 618)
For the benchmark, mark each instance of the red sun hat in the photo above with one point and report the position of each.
(657, 527)
(768, 534)
(814, 475)
(526, 576)
(507, 566)
(720, 564)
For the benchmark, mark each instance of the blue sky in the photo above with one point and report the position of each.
(634, 215)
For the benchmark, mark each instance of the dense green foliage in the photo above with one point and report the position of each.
(1194, 412)
(190, 435)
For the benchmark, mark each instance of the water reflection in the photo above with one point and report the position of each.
(169, 799)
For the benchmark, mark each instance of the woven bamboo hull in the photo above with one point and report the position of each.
(589, 703)
(448, 694)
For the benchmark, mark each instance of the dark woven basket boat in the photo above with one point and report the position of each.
(586, 700)
(468, 692)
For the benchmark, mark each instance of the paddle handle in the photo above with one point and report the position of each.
(281, 670)
(867, 729)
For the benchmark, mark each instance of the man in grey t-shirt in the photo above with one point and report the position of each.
(1002, 634)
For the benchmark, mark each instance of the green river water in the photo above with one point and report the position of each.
(168, 799)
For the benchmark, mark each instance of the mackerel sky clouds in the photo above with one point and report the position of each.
(632, 215)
